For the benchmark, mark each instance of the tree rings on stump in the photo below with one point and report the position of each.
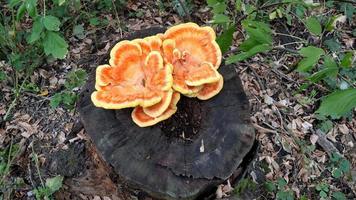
(196, 149)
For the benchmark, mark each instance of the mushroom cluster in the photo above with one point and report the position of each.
(151, 73)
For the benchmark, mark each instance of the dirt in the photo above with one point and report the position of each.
(185, 123)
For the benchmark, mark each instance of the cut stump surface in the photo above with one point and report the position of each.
(196, 149)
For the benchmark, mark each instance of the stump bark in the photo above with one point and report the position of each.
(180, 158)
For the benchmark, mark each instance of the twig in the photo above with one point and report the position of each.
(117, 17)
(325, 143)
(14, 101)
(272, 5)
(37, 165)
(185, 10)
(285, 49)
(292, 36)
(263, 129)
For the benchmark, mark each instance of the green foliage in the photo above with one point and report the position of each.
(259, 40)
(338, 196)
(280, 188)
(51, 186)
(338, 103)
(323, 189)
(311, 56)
(68, 97)
(244, 184)
(7, 157)
(313, 25)
(55, 45)
(222, 20)
(338, 165)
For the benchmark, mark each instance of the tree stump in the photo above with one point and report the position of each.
(196, 149)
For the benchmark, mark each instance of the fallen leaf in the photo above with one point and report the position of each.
(314, 138)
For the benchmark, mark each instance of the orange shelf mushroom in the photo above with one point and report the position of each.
(195, 57)
(150, 73)
(131, 80)
(143, 120)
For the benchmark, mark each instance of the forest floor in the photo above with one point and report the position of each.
(294, 155)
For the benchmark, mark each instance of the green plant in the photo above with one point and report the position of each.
(24, 48)
(7, 157)
(49, 188)
(338, 165)
(321, 62)
(323, 190)
(68, 96)
(243, 185)
(223, 21)
(280, 187)
(338, 196)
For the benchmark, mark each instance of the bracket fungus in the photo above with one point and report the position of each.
(165, 160)
(147, 73)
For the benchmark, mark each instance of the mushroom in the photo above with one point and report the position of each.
(142, 119)
(195, 56)
(132, 78)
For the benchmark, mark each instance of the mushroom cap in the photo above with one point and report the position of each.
(131, 79)
(157, 109)
(210, 89)
(195, 57)
(198, 41)
(143, 120)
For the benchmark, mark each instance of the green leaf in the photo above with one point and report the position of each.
(211, 3)
(51, 23)
(225, 39)
(69, 98)
(258, 31)
(326, 126)
(326, 72)
(313, 25)
(345, 166)
(336, 173)
(13, 3)
(219, 8)
(332, 44)
(54, 44)
(281, 183)
(311, 56)
(244, 55)
(347, 60)
(323, 194)
(75, 79)
(238, 5)
(270, 186)
(78, 31)
(329, 62)
(221, 19)
(2, 76)
(338, 103)
(31, 7)
(285, 195)
(20, 12)
(55, 100)
(330, 70)
(59, 2)
(348, 9)
(37, 29)
(339, 196)
(94, 21)
(54, 184)
(273, 15)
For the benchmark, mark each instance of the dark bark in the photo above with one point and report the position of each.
(159, 161)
